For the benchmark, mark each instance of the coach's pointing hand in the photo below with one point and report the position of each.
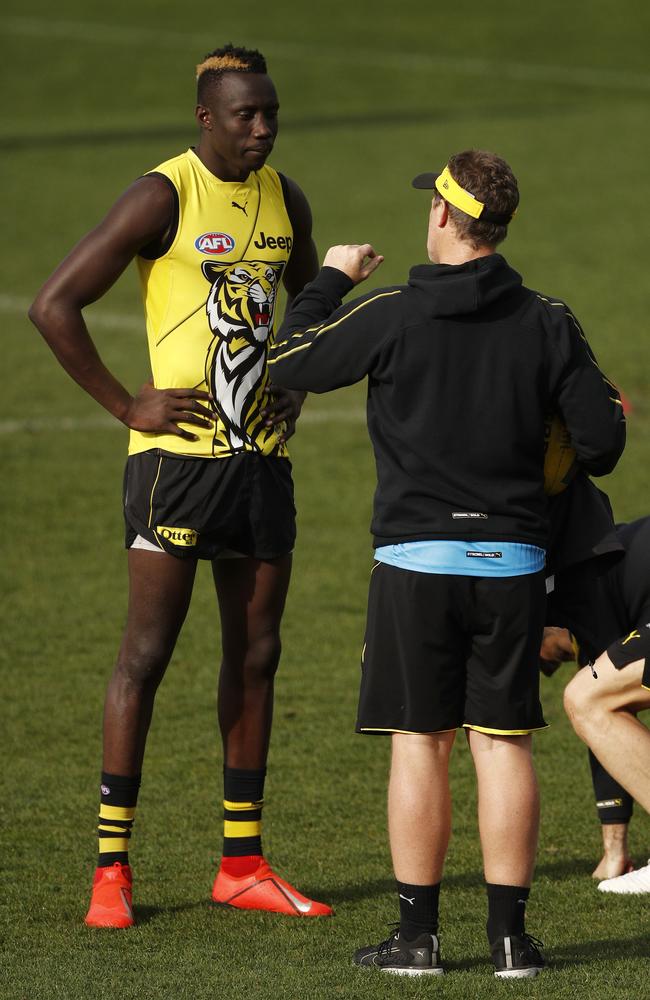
(358, 261)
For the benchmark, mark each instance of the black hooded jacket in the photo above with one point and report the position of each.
(463, 364)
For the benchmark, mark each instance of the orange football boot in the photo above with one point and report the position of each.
(110, 904)
(264, 890)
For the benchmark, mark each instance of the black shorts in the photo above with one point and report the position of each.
(632, 647)
(199, 507)
(448, 651)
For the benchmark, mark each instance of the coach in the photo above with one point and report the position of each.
(463, 365)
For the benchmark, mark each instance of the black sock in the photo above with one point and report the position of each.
(506, 910)
(418, 909)
(613, 803)
(119, 797)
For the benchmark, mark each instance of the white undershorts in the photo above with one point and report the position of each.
(143, 543)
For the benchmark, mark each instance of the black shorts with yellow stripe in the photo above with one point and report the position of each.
(201, 507)
(446, 651)
(632, 647)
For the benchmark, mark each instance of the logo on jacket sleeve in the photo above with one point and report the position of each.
(214, 243)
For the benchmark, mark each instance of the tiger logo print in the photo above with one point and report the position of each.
(240, 308)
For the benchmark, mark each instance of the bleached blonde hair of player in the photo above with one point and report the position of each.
(228, 59)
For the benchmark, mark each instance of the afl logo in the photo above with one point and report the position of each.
(214, 243)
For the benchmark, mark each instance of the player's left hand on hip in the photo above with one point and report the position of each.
(283, 407)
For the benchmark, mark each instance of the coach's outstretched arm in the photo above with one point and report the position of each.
(323, 345)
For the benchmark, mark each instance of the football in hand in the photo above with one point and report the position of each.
(560, 463)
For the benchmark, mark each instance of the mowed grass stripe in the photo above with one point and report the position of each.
(15, 305)
(111, 34)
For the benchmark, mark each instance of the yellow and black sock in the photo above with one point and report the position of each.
(119, 796)
(243, 792)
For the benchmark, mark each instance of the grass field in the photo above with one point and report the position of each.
(371, 95)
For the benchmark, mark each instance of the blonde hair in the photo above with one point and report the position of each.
(228, 59)
(222, 64)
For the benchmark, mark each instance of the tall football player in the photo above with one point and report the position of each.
(213, 231)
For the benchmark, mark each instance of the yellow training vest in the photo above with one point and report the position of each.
(209, 304)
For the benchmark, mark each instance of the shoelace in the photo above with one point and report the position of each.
(534, 944)
(386, 947)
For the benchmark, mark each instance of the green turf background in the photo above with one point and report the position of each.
(371, 94)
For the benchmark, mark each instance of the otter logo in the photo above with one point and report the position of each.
(240, 310)
(185, 537)
(214, 243)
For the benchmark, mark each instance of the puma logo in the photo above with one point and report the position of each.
(242, 208)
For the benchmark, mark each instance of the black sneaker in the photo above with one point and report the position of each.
(420, 957)
(517, 956)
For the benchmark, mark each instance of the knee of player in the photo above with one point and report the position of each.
(263, 655)
(580, 701)
(142, 663)
(572, 699)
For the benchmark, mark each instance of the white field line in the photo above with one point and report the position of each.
(111, 34)
(57, 425)
(15, 305)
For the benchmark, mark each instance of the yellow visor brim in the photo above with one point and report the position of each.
(457, 196)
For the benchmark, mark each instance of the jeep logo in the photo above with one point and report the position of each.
(273, 242)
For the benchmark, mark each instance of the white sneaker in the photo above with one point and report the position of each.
(634, 882)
